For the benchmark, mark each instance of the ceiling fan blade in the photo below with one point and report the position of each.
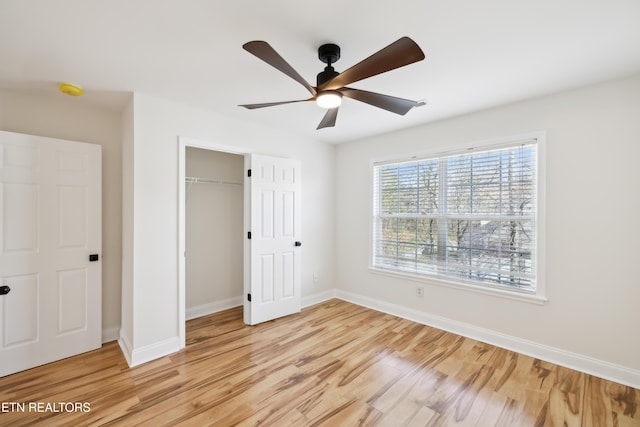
(390, 103)
(329, 119)
(272, 104)
(264, 51)
(402, 52)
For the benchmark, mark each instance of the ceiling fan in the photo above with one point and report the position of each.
(331, 85)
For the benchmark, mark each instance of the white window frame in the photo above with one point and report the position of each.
(539, 297)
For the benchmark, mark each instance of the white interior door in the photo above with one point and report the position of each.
(272, 254)
(50, 224)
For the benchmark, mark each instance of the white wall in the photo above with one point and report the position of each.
(593, 206)
(128, 137)
(157, 125)
(63, 117)
(214, 231)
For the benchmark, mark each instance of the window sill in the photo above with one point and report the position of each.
(502, 293)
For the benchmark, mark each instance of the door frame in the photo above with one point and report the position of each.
(183, 144)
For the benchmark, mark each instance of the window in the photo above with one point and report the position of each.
(466, 217)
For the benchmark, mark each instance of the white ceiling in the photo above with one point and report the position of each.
(479, 53)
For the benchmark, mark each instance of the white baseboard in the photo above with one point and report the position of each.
(110, 334)
(318, 298)
(214, 307)
(154, 351)
(579, 362)
(138, 356)
(125, 346)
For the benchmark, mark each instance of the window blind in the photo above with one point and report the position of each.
(464, 216)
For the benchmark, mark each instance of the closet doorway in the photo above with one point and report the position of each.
(239, 226)
(213, 215)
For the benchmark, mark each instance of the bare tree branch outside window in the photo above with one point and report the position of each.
(464, 216)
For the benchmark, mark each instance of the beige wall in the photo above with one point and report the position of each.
(592, 211)
(63, 117)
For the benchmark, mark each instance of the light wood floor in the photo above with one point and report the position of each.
(335, 364)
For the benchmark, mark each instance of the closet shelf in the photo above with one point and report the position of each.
(196, 180)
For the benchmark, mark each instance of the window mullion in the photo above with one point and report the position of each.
(442, 211)
(501, 204)
(397, 211)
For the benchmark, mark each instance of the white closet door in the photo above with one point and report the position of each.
(50, 224)
(273, 254)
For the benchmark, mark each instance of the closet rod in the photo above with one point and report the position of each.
(195, 180)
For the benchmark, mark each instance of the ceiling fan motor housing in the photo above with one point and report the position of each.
(328, 53)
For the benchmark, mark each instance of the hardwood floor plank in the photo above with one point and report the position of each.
(334, 364)
(596, 409)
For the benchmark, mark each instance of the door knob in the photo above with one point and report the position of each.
(4, 290)
(298, 243)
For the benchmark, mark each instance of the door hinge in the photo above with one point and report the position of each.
(249, 173)
(249, 235)
(249, 297)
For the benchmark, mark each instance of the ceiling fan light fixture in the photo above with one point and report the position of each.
(329, 99)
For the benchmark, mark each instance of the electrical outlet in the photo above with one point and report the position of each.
(315, 278)
(419, 291)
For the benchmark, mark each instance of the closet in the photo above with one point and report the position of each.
(213, 231)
